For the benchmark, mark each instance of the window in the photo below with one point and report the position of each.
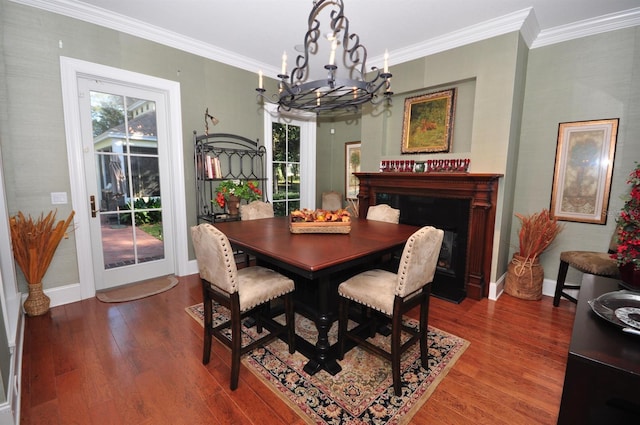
(286, 168)
(290, 141)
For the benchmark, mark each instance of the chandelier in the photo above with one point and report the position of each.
(347, 89)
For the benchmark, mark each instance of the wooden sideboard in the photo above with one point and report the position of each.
(480, 189)
(603, 367)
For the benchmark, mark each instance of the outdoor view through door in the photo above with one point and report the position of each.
(286, 168)
(127, 174)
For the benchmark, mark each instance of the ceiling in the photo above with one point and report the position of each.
(252, 34)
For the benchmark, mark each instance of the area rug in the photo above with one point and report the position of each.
(363, 391)
(137, 290)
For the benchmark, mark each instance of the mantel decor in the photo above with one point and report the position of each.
(34, 243)
(346, 88)
(428, 122)
(583, 169)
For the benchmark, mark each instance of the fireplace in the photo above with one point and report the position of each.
(450, 215)
(461, 204)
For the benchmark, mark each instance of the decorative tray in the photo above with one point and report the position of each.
(320, 227)
(622, 308)
(320, 221)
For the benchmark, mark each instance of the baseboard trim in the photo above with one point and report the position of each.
(496, 289)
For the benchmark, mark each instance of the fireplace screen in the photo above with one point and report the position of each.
(446, 260)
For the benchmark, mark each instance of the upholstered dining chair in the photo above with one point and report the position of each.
(383, 212)
(244, 292)
(386, 213)
(255, 210)
(393, 294)
(590, 262)
(331, 201)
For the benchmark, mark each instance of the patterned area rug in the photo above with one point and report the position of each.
(363, 392)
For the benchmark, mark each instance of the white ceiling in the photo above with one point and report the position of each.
(252, 34)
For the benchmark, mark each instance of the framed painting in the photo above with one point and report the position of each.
(352, 165)
(583, 169)
(428, 122)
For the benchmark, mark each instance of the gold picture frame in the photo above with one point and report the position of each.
(428, 122)
(583, 169)
(352, 165)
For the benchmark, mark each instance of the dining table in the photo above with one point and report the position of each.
(318, 263)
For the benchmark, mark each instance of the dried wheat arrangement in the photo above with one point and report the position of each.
(35, 242)
(537, 231)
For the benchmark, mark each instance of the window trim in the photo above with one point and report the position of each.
(307, 123)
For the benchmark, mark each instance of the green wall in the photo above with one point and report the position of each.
(590, 78)
(510, 101)
(488, 76)
(32, 132)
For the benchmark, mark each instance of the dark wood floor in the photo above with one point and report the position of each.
(140, 363)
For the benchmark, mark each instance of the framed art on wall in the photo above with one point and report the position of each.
(428, 122)
(352, 165)
(583, 169)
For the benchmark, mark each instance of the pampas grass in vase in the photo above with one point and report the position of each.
(524, 273)
(34, 243)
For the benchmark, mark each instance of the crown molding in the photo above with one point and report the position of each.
(605, 23)
(523, 20)
(488, 29)
(137, 28)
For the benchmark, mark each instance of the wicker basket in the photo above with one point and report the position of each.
(37, 303)
(338, 227)
(524, 278)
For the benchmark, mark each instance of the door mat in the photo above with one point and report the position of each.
(137, 290)
(363, 391)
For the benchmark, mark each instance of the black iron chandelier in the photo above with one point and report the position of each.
(349, 89)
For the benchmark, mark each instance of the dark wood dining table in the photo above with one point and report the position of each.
(318, 262)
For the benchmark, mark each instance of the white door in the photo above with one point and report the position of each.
(126, 167)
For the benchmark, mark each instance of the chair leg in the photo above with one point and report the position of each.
(424, 331)
(396, 330)
(208, 319)
(261, 312)
(290, 323)
(562, 275)
(343, 317)
(236, 341)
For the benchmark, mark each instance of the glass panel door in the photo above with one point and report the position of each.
(125, 192)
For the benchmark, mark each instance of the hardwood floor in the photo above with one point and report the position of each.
(140, 363)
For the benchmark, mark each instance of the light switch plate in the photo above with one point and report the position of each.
(58, 198)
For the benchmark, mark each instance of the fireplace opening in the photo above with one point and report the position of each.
(451, 215)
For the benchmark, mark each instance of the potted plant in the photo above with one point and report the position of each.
(231, 192)
(524, 273)
(34, 243)
(627, 255)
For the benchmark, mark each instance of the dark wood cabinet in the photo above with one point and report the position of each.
(602, 381)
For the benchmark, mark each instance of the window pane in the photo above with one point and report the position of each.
(293, 143)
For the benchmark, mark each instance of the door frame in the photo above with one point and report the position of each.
(70, 70)
(307, 123)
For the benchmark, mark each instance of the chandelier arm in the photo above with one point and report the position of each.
(311, 37)
(335, 91)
